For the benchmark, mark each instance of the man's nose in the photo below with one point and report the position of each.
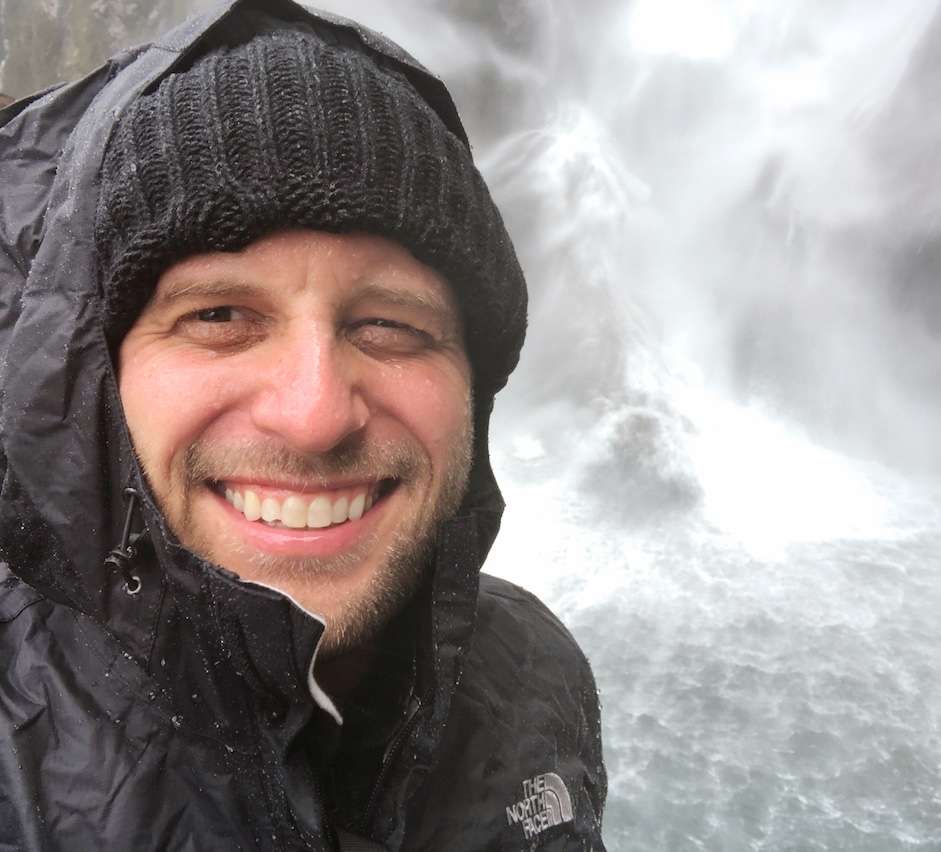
(311, 397)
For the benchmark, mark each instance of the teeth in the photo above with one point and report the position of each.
(270, 510)
(296, 512)
(252, 506)
(356, 507)
(340, 510)
(293, 513)
(320, 513)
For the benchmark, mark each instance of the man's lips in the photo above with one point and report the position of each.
(282, 534)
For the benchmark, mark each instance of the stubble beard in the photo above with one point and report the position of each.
(405, 557)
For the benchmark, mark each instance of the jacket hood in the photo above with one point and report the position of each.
(66, 453)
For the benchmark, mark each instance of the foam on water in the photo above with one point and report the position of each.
(756, 695)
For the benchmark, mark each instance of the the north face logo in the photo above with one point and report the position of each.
(545, 803)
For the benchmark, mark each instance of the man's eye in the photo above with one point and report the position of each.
(379, 322)
(389, 336)
(224, 313)
(221, 325)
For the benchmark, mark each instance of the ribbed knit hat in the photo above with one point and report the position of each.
(287, 130)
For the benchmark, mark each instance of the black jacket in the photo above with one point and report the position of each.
(182, 717)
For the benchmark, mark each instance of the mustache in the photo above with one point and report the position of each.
(216, 461)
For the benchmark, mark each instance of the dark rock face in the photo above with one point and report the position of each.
(78, 33)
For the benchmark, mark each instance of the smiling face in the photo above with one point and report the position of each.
(302, 410)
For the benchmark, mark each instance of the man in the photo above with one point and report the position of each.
(5, 100)
(256, 304)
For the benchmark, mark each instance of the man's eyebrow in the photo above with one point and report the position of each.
(444, 309)
(213, 288)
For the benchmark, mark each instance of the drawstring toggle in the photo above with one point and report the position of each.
(122, 556)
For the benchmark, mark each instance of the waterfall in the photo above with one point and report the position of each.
(719, 452)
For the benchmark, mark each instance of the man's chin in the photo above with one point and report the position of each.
(357, 603)
(354, 614)
(355, 592)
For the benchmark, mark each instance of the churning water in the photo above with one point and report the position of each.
(719, 452)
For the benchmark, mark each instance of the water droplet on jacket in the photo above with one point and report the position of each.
(177, 720)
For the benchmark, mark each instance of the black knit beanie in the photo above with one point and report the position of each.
(287, 130)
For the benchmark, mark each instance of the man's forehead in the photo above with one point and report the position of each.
(360, 266)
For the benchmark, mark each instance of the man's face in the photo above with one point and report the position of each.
(302, 410)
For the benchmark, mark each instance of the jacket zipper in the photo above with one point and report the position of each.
(392, 749)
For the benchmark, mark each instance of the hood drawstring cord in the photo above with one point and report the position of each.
(124, 553)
